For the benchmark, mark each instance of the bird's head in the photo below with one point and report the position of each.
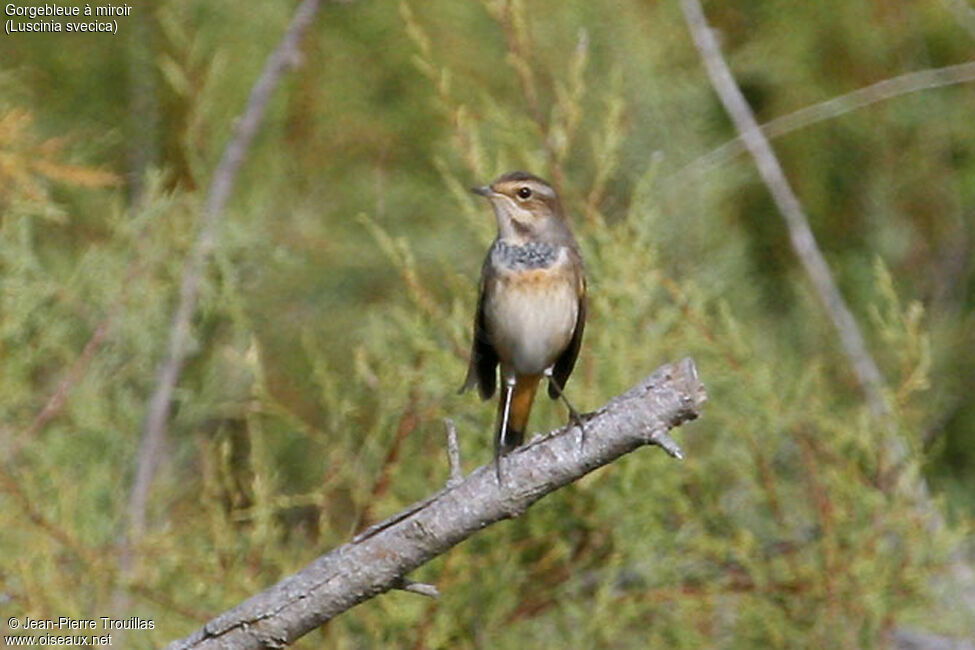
(526, 207)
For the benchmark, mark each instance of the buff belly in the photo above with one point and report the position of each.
(531, 316)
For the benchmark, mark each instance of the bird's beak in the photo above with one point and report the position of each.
(484, 190)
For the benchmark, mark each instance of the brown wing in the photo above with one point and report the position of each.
(567, 360)
(482, 371)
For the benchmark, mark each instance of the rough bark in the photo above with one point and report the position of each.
(378, 559)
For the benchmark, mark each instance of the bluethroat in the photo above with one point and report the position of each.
(531, 307)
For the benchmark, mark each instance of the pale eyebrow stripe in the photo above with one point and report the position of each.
(544, 189)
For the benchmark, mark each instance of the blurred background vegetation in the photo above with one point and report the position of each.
(335, 315)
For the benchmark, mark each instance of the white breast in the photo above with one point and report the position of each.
(531, 315)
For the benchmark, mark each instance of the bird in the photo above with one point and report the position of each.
(531, 306)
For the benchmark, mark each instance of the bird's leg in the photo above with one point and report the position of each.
(573, 413)
(509, 388)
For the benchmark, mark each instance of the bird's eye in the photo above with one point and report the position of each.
(524, 192)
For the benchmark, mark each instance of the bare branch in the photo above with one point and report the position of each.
(801, 236)
(377, 560)
(804, 243)
(904, 84)
(154, 435)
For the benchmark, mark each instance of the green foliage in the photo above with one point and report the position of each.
(335, 320)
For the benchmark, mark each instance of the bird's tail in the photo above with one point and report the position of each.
(523, 395)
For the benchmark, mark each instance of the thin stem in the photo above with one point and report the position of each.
(834, 107)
